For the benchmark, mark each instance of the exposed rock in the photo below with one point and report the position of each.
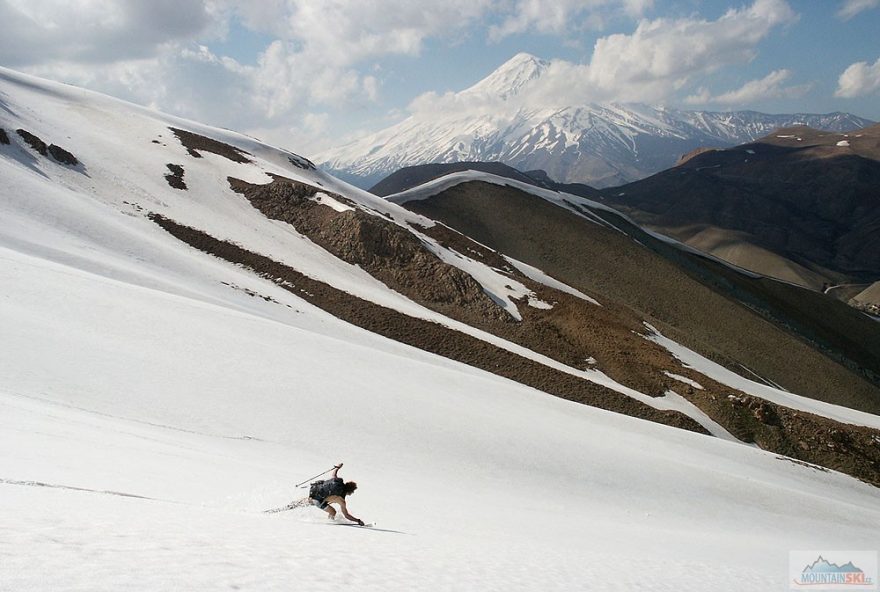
(33, 141)
(387, 251)
(194, 142)
(301, 162)
(810, 438)
(563, 332)
(4, 139)
(175, 177)
(62, 155)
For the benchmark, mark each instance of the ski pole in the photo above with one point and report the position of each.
(316, 476)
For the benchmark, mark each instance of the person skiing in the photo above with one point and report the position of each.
(333, 491)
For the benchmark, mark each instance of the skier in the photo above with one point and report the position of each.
(333, 491)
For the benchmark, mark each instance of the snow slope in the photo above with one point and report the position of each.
(149, 411)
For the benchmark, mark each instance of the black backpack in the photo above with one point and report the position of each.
(321, 490)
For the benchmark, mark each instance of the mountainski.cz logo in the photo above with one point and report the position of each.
(832, 570)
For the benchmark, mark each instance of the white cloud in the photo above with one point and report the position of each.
(652, 64)
(349, 31)
(662, 55)
(858, 80)
(561, 16)
(768, 87)
(97, 31)
(850, 8)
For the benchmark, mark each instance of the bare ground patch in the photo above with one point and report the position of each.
(175, 176)
(33, 141)
(58, 153)
(62, 155)
(194, 143)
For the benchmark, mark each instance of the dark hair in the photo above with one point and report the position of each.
(350, 487)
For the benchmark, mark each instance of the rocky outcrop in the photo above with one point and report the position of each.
(194, 143)
(175, 176)
(33, 141)
(58, 153)
(62, 155)
(389, 252)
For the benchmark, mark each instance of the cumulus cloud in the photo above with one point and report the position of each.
(97, 31)
(768, 87)
(850, 8)
(652, 64)
(662, 55)
(347, 31)
(858, 80)
(560, 16)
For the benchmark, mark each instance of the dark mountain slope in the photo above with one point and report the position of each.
(801, 205)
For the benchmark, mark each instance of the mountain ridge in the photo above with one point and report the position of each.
(600, 145)
(801, 199)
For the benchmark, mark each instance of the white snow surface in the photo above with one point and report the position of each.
(149, 412)
(691, 359)
(684, 379)
(535, 274)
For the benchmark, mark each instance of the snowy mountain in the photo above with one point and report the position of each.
(598, 144)
(194, 321)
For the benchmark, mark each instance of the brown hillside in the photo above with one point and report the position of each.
(734, 326)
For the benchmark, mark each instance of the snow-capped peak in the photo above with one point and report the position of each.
(511, 77)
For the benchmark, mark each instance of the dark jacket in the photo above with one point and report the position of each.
(321, 490)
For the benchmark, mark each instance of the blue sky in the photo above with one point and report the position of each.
(309, 74)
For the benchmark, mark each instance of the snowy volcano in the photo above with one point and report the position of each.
(511, 117)
(194, 321)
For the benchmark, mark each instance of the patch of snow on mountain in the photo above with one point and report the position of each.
(684, 379)
(691, 359)
(539, 276)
